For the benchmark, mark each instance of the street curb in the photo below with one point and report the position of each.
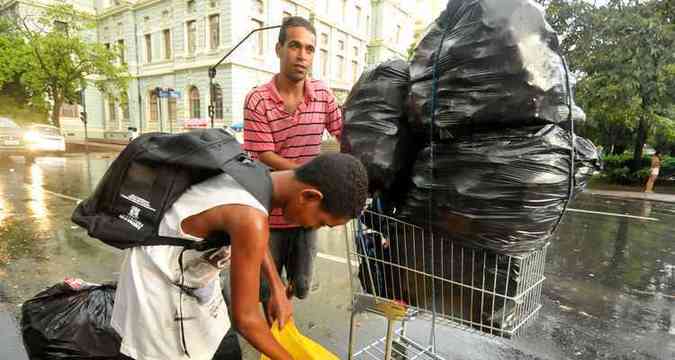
(665, 198)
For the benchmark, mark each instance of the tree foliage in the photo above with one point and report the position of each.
(624, 55)
(52, 60)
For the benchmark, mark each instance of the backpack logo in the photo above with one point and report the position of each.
(132, 217)
(138, 201)
(134, 212)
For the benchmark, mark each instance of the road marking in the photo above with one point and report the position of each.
(613, 214)
(336, 259)
(63, 196)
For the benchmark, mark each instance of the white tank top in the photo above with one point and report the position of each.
(147, 301)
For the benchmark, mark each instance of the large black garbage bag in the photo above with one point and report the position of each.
(502, 191)
(499, 65)
(375, 128)
(71, 320)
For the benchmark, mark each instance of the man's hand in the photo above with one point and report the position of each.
(277, 162)
(279, 307)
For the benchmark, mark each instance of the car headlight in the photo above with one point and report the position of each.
(31, 137)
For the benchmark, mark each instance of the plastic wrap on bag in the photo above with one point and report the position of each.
(503, 191)
(71, 320)
(375, 127)
(499, 65)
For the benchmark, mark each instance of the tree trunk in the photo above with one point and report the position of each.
(56, 112)
(640, 139)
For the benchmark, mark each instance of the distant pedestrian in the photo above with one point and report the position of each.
(654, 173)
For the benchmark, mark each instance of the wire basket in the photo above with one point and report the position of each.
(400, 271)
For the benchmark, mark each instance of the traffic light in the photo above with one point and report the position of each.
(83, 116)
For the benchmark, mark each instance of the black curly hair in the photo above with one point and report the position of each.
(342, 180)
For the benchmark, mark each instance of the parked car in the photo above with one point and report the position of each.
(237, 130)
(41, 139)
(31, 141)
(11, 138)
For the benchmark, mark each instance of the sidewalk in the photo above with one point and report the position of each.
(655, 196)
(93, 145)
(11, 344)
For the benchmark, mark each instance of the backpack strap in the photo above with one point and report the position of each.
(252, 176)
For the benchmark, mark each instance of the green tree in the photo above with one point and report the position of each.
(58, 61)
(623, 53)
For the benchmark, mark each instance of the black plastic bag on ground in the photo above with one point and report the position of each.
(375, 127)
(502, 191)
(71, 320)
(499, 65)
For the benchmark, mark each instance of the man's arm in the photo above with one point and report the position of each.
(276, 162)
(334, 118)
(249, 234)
(279, 307)
(258, 138)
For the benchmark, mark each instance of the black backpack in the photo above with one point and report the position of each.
(151, 173)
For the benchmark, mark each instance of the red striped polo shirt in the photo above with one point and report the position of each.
(297, 136)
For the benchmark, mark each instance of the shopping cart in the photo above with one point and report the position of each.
(402, 272)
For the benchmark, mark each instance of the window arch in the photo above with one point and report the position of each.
(172, 111)
(153, 102)
(218, 101)
(113, 119)
(195, 109)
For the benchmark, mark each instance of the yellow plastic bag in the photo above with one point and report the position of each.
(299, 346)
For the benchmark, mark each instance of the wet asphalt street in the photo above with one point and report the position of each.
(609, 293)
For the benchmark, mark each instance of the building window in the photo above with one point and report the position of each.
(214, 29)
(171, 102)
(70, 110)
(323, 59)
(341, 67)
(191, 36)
(148, 48)
(259, 41)
(355, 64)
(166, 35)
(368, 25)
(341, 59)
(218, 101)
(288, 9)
(125, 108)
(153, 103)
(112, 113)
(355, 70)
(191, 6)
(122, 50)
(60, 26)
(358, 18)
(343, 11)
(195, 111)
(323, 55)
(258, 7)
(398, 34)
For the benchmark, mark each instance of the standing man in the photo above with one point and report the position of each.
(284, 121)
(653, 172)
